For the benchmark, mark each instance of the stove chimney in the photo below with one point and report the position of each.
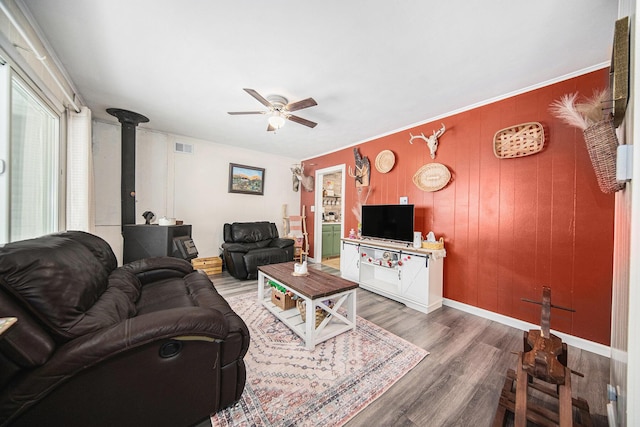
(129, 121)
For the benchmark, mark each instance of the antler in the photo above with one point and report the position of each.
(440, 131)
(421, 136)
(360, 172)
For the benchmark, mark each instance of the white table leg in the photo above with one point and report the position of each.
(310, 325)
(260, 286)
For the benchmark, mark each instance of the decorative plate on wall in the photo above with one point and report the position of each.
(385, 161)
(432, 177)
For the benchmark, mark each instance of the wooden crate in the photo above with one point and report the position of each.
(282, 300)
(211, 265)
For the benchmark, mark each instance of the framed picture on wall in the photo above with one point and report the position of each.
(246, 179)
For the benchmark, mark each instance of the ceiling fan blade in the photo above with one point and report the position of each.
(301, 121)
(270, 128)
(299, 105)
(234, 113)
(259, 97)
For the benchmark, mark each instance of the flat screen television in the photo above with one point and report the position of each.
(388, 222)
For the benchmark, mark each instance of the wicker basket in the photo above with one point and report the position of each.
(432, 177)
(602, 144)
(433, 245)
(518, 141)
(320, 313)
(385, 161)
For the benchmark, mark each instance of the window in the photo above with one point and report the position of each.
(30, 184)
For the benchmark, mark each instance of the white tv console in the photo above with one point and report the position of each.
(412, 276)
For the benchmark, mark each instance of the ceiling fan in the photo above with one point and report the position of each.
(279, 110)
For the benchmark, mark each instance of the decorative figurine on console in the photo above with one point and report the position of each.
(148, 217)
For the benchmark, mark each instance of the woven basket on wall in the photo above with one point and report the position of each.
(385, 161)
(518, 141)
(432, 177)
(602, 144)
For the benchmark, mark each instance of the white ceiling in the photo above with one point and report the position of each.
(372, 66)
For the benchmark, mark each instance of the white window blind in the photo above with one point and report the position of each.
(5, 109)
(33, 153)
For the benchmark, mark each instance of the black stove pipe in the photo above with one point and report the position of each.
(129, 121)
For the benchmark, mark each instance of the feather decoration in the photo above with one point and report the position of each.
(592, 108)
(565, 109)
(357, 209)
(583, 114)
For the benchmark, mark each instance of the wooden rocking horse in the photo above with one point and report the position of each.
(544, 358)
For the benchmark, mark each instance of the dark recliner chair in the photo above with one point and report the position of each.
(149, 343)
(249, 245)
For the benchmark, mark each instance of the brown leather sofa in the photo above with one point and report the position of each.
(248, 245)
(150, 343)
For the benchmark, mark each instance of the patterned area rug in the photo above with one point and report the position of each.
(288, 385)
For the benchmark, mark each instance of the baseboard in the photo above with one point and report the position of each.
(571, 340)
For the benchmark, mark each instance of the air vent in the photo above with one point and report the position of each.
(181, 147)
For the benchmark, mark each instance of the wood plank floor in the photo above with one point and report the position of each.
(332, 262)
(459, 383)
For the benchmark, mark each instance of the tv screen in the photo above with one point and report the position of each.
(389, 222)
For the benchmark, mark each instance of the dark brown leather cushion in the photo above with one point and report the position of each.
(63, 284)
(253, 232)
(99, 247)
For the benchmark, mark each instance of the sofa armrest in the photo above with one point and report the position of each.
(235, 247)
(281, 243)
(156, 268)
(206, 323)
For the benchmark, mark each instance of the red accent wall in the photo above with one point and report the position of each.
(510, 226)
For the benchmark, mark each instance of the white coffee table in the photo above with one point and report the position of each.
(315, 289)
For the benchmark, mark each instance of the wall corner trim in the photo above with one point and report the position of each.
(571, 340)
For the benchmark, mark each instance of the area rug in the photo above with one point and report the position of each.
(288, 385)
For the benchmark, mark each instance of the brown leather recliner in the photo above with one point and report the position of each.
(248, 245)
(149, 343)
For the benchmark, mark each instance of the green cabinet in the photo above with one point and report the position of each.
(331, 235)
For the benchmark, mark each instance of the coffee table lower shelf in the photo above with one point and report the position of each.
(293, 320)
(341, 317)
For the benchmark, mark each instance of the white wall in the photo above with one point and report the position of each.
(188, 187)
(625, 318)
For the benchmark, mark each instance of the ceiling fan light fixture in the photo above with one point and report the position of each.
(279, 110)
(276, 120)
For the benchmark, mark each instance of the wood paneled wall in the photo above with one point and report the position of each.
(510, 226)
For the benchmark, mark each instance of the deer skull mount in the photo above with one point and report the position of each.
(363, 170)
(299, 177)
(432, 141)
